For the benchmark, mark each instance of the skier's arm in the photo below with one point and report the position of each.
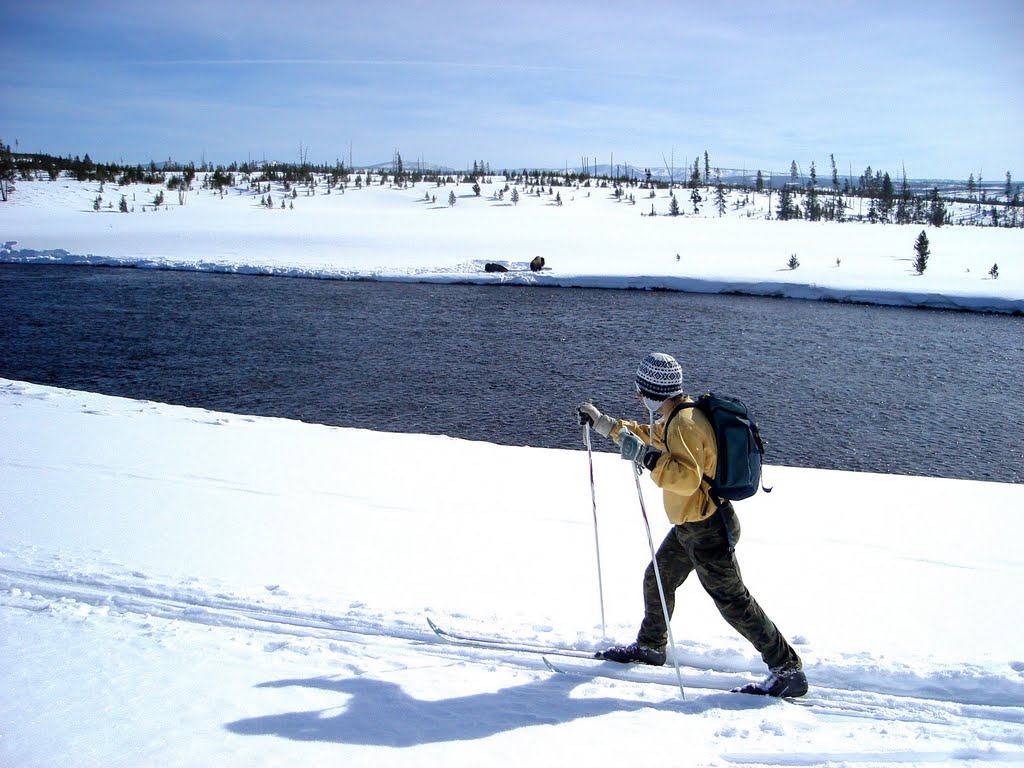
(680, 468)
(643, 430)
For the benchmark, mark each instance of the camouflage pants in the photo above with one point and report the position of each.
(707, 548)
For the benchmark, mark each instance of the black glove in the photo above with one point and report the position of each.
(651, 456)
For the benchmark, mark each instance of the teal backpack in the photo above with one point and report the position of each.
(740, 448)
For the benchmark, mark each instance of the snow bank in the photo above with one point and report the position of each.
(592, 240)
(184, 588)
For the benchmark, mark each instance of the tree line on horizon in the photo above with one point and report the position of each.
(798, 196)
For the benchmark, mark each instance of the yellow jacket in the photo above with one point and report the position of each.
(688, 453)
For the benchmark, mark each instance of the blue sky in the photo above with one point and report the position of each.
(937, 87)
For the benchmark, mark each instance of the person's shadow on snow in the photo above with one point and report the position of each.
(380, 713)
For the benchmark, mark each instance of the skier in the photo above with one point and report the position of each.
(680, 453)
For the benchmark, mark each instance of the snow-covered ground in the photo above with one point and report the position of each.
(592, 239)
(186, 588)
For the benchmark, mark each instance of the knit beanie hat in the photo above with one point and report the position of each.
(659, 377)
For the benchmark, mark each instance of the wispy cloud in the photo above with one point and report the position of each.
(412, 63)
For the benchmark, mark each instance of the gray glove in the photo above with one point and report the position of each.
(635, 449)
(586, 413)
(631, 447)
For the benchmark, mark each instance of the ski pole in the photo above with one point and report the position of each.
(657, 577)
(597, 543)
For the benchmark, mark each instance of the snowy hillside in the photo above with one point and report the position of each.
(187, 588)
(594, 238)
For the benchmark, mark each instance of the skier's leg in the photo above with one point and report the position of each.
(674, 565)
(719, 573)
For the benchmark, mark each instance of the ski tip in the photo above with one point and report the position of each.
(433, 626)
(551, 667)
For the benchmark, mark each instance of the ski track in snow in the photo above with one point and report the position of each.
(126, 624)
(990, 707)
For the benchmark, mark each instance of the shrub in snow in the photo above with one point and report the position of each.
(923, 252)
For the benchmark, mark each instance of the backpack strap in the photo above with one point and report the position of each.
(712, 493)
(677, 409)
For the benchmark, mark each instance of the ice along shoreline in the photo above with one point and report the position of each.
(473, 274)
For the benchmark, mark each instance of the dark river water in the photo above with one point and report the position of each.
(836, 386)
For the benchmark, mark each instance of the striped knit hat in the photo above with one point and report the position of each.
(659, 377)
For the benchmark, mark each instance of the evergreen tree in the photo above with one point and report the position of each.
(812, 208)
(786, 209)
(8, 171)
(867, 181)
(673, 206)
(937, 217)
(760, 181)
(903, 212)
(88, 168)
(720, 198)
(923, 252)
(887, 198)
(515, 195)
(451, 198)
